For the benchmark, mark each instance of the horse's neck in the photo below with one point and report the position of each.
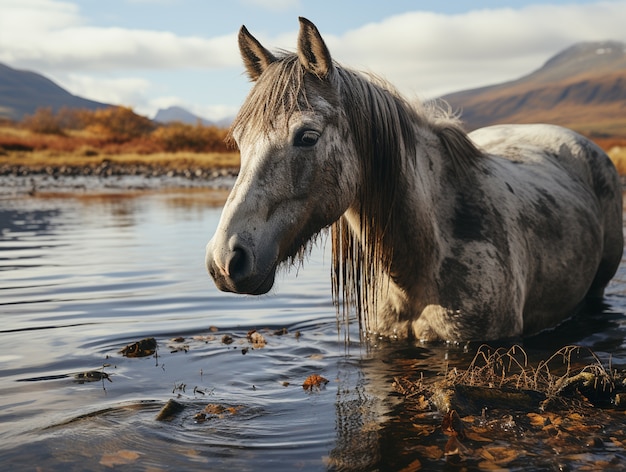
(414, 217)
(412, 224)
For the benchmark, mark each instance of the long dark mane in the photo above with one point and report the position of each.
(383, 128)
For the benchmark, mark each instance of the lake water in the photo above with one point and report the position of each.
(85, 273)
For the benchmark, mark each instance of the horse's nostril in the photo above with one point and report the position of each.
(237, 263)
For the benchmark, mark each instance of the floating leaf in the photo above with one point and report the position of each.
(433, 453)
(256, 338)
(169, 410)
(92, 376)
(424, 429)
(214, 409)
(499, 455)
(453, 447)
(205, 339)
(412, 467)
(452, 425)
(314, 381)
(537, 420)
(143, 348)
(472, 436)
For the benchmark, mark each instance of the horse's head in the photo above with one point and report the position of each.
(298, 173)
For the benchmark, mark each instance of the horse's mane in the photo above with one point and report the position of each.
(383, 128)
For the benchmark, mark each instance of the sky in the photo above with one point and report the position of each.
(151, 54)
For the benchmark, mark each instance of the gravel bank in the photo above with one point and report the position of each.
(15, 180)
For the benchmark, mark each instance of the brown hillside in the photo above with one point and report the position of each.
(583, 88)
(23, 92)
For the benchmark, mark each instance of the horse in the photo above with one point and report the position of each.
(437, 234)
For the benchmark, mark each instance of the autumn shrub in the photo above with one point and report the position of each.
(142, 145)
(119, 123)
(73, 118)
(43, 121)
(113, 130)
(185, 137)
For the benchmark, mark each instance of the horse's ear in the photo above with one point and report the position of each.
(312, 50)
(255, 57)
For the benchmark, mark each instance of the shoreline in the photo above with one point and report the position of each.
(20, 184)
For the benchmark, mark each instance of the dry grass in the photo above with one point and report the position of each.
(20, 147)
(618, 156)
(570, 369)
(510, 368)
(176, 160)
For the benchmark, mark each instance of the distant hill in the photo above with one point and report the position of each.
(583, 87)
(179, 114)
(22, 92)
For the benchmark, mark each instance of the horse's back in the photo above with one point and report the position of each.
(550, 147)
(580, 180)
(534, 143)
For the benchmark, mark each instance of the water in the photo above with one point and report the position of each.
(83, 274)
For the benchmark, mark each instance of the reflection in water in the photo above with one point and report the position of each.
(83, 275)
(13, 222)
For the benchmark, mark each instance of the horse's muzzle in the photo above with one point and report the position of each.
(236, 269)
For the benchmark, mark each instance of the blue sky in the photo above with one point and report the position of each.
(150, 54)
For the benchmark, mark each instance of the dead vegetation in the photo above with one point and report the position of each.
(503, 411)
(505, 378)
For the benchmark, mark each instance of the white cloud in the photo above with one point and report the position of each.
(57, 38)
(25, 16)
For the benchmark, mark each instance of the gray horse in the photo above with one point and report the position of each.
(436, 234)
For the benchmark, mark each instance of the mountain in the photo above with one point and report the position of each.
(22, 92)
(583, 87)
(179, 114)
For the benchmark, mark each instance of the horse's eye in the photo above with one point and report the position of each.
(306, 138)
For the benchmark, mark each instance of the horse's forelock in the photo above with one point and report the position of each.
(274, 94)
(278, 93)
